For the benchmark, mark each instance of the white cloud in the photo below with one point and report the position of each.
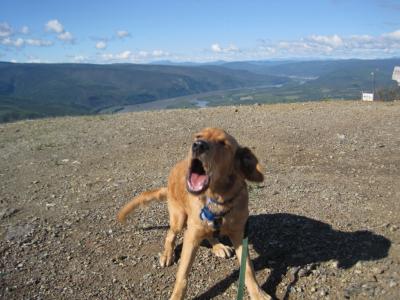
(38, 42)
(12, 42)
(107, 56)
(35, 61)
(362, 38)
(333, 40)
(122, 34)
(231, 48)
(395, 35)
(25, 30)
(66, 36)
(54, 26)
(159, 53)
(10, 38)
(101, 45)
(79, 58)
(137, 57)
(5, 30)
(333, 46)
(147, 56)
(123, 55)
(143, 54)
(218, 49)
(19, 42)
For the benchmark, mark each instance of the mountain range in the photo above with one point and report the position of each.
(43, 90)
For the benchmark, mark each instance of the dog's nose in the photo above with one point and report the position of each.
(200, 147)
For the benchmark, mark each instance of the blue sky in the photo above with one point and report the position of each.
(197, 30)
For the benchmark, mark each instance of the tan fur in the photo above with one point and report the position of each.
(144, 198)
(230, 165)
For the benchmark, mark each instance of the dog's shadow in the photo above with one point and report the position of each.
(286, 240)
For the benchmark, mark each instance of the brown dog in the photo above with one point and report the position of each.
(208, 193)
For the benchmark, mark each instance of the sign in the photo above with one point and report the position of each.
(367, 96)
(396, 75)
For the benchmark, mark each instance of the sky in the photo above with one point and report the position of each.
(197, 30)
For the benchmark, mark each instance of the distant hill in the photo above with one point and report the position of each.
(344, 79)
(313, 67)
(39, 90)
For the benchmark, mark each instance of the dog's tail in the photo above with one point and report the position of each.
(143, 199)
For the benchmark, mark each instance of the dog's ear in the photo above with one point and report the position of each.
(247, 163)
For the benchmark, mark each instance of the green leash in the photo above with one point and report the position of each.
(245, 247)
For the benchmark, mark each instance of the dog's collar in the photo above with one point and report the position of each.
(206, 214)
(213, 219)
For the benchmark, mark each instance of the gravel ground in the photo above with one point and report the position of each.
(324, 224)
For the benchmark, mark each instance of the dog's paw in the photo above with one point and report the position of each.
(166, 259)
(222, 250)
(260, 295)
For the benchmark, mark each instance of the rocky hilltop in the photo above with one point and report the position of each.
(324, 224)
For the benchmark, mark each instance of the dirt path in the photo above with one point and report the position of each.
(325, 223)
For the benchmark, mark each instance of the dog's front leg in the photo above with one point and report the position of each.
(255, 292)
(191, 243)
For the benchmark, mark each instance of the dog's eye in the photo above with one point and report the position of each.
(221, 143)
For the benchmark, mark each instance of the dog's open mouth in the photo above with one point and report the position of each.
(197, 178)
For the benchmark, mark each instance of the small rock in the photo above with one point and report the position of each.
(323, 293)
(335, 264)
(377, 270)
(392, 283)
(303, 272)
(341, 137)
(296, 289)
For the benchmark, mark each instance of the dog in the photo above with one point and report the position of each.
(207, 193)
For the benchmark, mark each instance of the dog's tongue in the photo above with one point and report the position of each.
(197, 181)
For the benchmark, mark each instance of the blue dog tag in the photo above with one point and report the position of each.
(206, 214)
